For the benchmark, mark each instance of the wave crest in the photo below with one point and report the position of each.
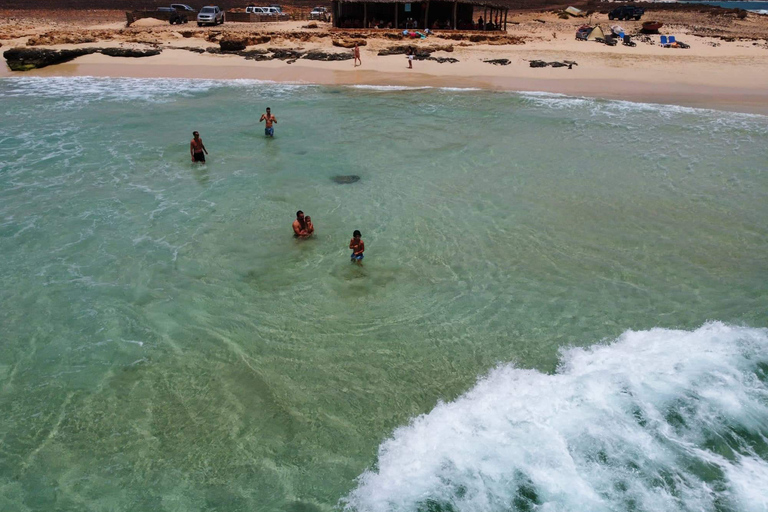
(657, 420)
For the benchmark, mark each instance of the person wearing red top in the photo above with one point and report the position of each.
(197, 148)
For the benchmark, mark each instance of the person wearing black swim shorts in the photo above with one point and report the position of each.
(197, 148)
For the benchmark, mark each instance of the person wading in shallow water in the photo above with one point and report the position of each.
(300, 226)
(197, 148)
(357, 246)
(269, 131)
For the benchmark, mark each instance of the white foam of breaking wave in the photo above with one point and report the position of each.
(659, 420)
(85, 89)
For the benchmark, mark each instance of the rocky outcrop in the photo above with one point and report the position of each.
(349, 43)
(443, 60)
(286, 53)
(128, 52)
(420, 53)
(24, 59)
(233, 45)
(327, 56)
(555, 64)
(498, 62)
(52, 38)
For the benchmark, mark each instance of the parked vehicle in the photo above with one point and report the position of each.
(210, 15)
(183, 7)
(165, 9)
(626, 12)
(320, 14)
(265, 11)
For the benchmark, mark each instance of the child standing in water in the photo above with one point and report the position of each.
(357, 246)
(310, 226)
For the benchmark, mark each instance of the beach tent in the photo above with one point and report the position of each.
(597, 33)
(574, 11)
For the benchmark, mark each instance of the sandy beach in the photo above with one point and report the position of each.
(726, 66)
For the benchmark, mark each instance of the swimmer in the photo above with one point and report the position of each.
(357, 246)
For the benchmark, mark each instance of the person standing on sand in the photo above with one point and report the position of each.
(197, 148)
(269, 131)
(357, 56)
(409, 56)
(300, 226)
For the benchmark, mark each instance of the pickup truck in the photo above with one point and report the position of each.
(626, 12)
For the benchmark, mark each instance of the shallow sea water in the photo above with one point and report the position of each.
(562, 305)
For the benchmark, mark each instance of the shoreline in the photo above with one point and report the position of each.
(725, 68)
(649, 89)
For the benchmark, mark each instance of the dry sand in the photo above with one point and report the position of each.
(713, 73)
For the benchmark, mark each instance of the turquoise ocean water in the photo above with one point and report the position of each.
(562, 306)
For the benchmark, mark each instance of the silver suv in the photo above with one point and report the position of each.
(210, 15)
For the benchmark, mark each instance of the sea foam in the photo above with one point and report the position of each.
(657, 420)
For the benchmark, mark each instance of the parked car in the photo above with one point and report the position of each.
(165, 9)
(320, 14)
(252, 9)
(210, 15)
(183, 8)
(626, 12)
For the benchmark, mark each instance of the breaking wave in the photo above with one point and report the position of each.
(659, 420)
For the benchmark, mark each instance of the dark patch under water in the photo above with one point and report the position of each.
(342, 180)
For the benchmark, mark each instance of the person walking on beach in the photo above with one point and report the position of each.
(357, 246)
(197, 148)
(300, 226)
(357, 56)
(409, 56)
(269, 131)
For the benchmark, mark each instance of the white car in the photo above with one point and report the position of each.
(320, 13)
(266, 11)
(210, 15)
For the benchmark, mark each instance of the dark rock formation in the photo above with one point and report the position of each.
(555, 64)
(345, 179)
(230, 45)
(327, 56)
(128, 52)
(419, 53)
(498, 62)
(24, 59)
(286, 53)
(192, 49)
(442, 60)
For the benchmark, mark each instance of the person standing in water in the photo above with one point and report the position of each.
(356, 52)
(269, 131)
(357, 246)
(197, 148)
(300, 226)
